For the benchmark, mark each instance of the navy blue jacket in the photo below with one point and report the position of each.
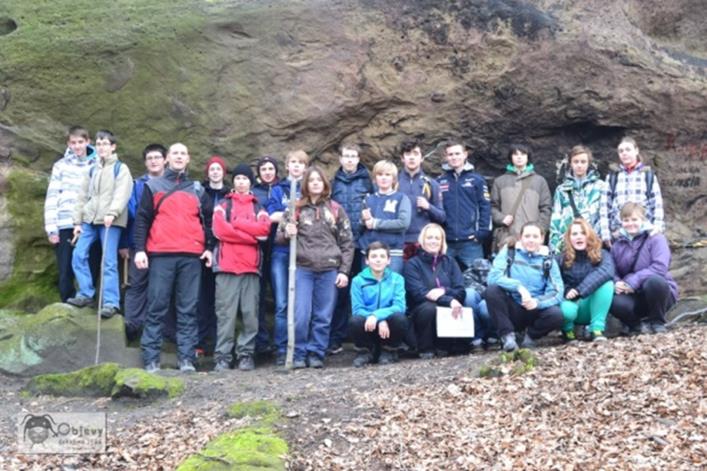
(262, 192)
(349, 190)
(467, 204)
(585, 277)
(425, 271)
(421, 185)
(392, 218)
(279, 201)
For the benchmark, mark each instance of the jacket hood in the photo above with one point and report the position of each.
(468, 167)
(367, 273)
(543, 251)
(90, 154)
(646, 227)
(360, 172)
(570, 180)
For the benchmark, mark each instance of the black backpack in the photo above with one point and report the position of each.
(547, 263)
(647, 173)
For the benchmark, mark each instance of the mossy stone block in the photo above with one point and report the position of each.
(136, 382)
(93, 381)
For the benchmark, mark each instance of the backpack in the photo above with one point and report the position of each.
(331, 204)
(116, 169)
(229, 205)
(547, 263)
(649, 175)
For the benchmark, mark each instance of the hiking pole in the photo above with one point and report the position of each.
(100, 295)
(291, 283)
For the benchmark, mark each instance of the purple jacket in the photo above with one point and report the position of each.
(654, 259)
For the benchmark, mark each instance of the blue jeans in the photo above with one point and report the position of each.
(279, 279)
(90, 233)
(315, 297)
(482, 319)
(465, 252)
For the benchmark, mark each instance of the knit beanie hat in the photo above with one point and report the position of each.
(265, 159)
(244, 169)
(215, 159)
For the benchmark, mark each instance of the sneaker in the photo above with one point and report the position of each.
(299, 364)
(107, 312)
(645, 328)
(222, 365)
(388, 358)
(659, 328)
(152, 367)
(491, 343)
(509, 342)
(186, 366)
(362, 359)
(476, 345)
(315, 361)
(441, 353)
(280, 359)
(80, 301)
(335, 349)
(598, 336)
(528, 342)
(264, 350)
(629, 331)
(569, 337)
(246, 363)
(426, 355)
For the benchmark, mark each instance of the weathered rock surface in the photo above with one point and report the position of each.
(246, 78)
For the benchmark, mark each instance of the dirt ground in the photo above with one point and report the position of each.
(318, 407)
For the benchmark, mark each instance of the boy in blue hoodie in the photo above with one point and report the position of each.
(378, 324)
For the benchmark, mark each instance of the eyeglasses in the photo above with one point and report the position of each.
(154, 157)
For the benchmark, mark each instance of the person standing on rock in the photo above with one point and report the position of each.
(101, 214)
(581, 194)
(172, 237)
(240, 223)
(466, 204)
(351, 185)
(324, 254)
(422, 191)
(633, 182)
(519, 196)
(64, 186)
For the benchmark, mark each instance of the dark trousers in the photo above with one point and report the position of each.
(342, 311)
(64, 252)
(424, 321)
(371, 341)
(179, 275)
(508, 316)
(135, 309)
(206, 311)
(649, 303)
(264, 340)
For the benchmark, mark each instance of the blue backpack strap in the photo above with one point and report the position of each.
(116, 169)
(510, 256)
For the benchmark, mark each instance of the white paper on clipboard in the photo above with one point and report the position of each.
(448, 326)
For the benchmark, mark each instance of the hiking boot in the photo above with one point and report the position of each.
(107, 312)
(264, 350)
(491, 343)
(528, 342)
(314, 361)
(221, 365)
(388, 358)
(80, 301)
(598, 336)
(659, 328)
(509, 342)
(280, 359)
(629, 331)
(426, 355)
(246, 363)
(335, 349)
(186, 366)
(645, 328)
(152, 367)
(362, 359)
(569, 337)
(299, 364)
(441, 353)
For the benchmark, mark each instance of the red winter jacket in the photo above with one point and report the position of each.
(237, 250)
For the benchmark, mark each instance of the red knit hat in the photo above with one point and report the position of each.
(215, 159)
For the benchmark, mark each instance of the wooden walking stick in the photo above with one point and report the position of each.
(291, 282)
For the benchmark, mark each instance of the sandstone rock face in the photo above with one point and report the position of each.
(247, 78)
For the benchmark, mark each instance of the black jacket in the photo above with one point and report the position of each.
(420, 277)
(585, 277)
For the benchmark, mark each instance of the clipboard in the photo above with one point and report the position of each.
(449, 327)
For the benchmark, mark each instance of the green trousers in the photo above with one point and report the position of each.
(591, 310)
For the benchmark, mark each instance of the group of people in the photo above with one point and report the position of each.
(376, 254)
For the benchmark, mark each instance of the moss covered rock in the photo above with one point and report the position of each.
(265, 412)
(58, 339)
(513, 363)
(245, 449)
(96, 381)
(136, 382)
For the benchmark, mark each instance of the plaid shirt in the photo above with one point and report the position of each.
(631, 187)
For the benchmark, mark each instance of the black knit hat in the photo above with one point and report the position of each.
(244, 169)
(264, 159)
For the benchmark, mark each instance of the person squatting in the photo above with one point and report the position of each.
(377, 254)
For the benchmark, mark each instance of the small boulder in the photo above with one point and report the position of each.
(137, 383)
(94, 381)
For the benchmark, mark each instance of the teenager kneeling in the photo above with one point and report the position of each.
(525, 289)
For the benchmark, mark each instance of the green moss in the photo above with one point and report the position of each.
(245, 449)
(135, 382)
(92, 381)
(266, 412)
(34, 275)
(520, 362)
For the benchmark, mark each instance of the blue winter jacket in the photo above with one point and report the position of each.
(426, 271)
(381, 298)
(349, 190)
(279, 201)
(527, 270)
(126, 238)
(421, 185)
(467, 204)
(391, 213)
(584, 276)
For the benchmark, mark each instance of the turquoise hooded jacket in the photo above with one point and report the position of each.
(381, 298)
